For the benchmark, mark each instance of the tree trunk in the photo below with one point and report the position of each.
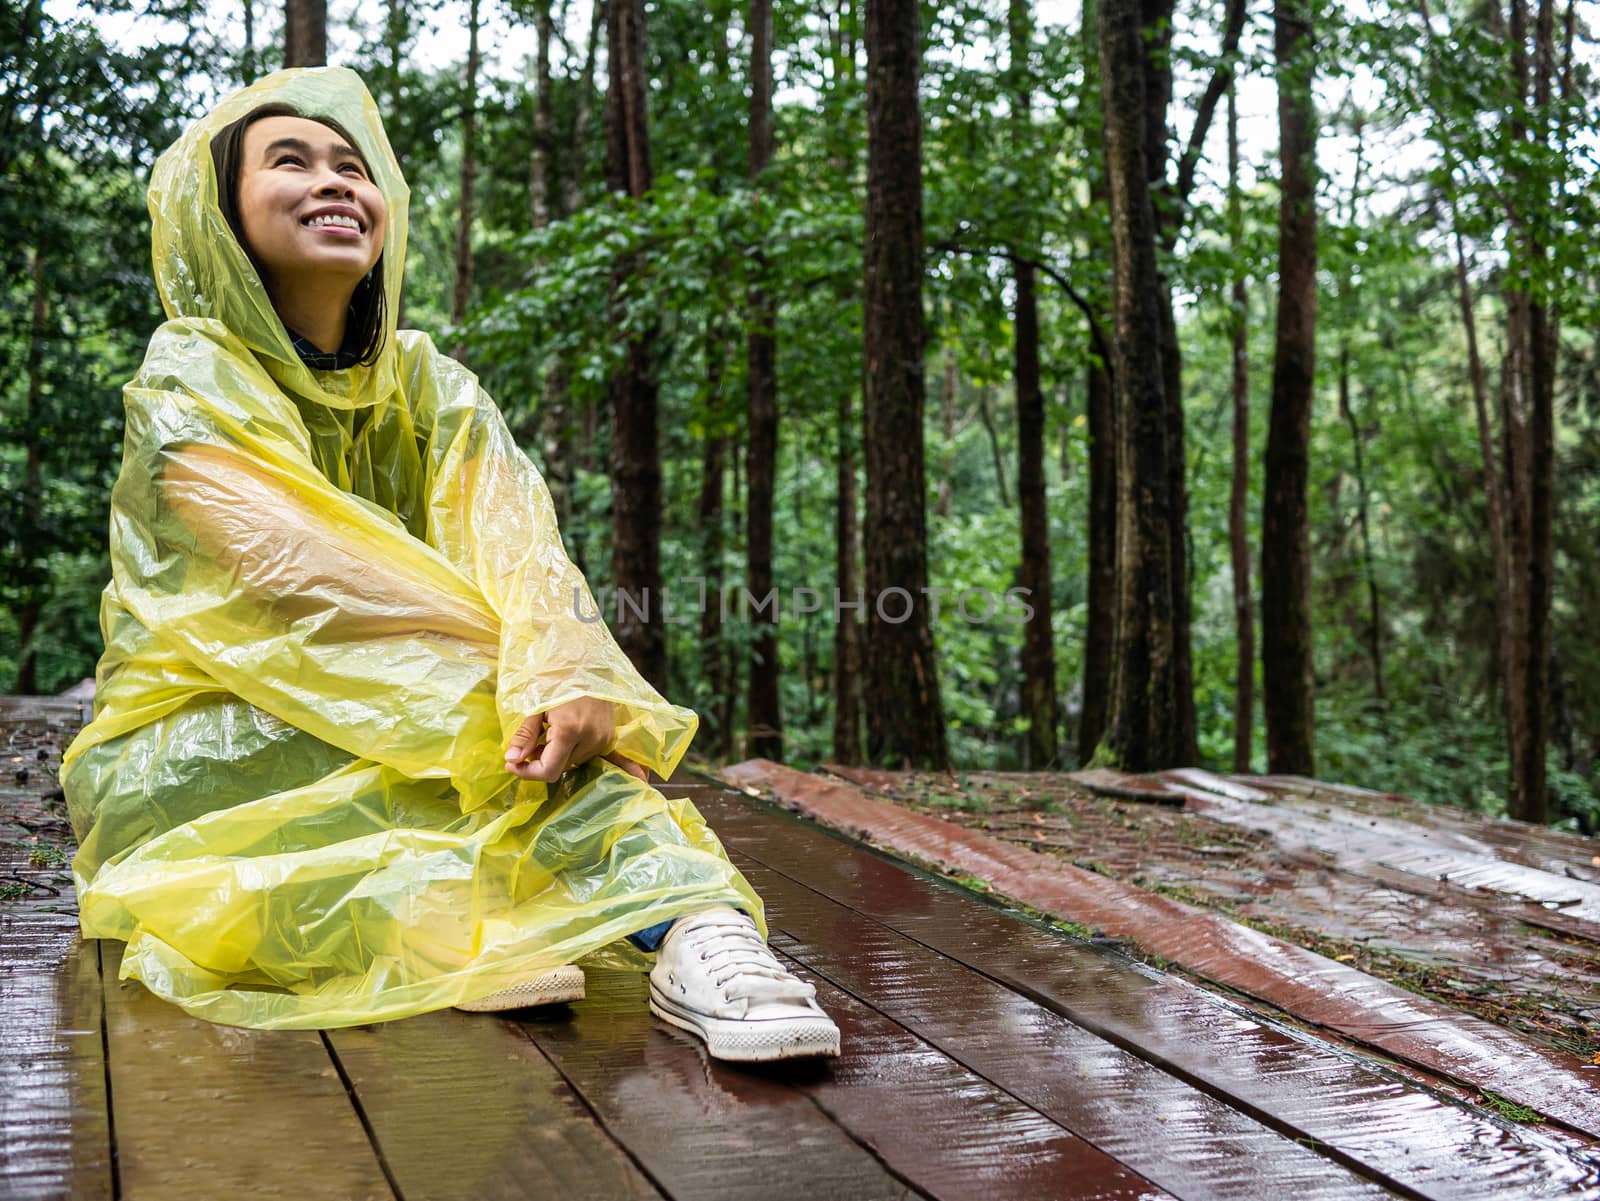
(847, 718)
(713, 656)
(987, 419)
(1188, 749)
(1100, 633)
(846, 629)
(1169, 202)
(247, 59)
(1358, 437)
(461, 295)
(1038, 642)
(635, 444)
(1521, 488)
(736, 659)
(1369, 572)
(1508, 474)
(1038, 646)
(1157, 18)
(541, 191)
(1529, 798)
(572, 183)
(305, 33)
(1514, 467)
(394, 38)
(1286, 642)
(580, 447)
(554, 416)
(1144, 729)
(1239, 495)
(947, 432)
(765, 715)
(395, 30)
(30, 596)
(905, 715)
(1493, 488)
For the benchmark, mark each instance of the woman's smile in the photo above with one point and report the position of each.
(338, 219)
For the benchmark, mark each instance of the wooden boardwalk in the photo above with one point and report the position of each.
(985, 1056)
(1439, 947)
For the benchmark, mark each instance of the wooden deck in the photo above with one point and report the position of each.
(985, 1056)
(1464, 950)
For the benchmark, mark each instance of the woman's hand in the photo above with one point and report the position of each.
(564, 737)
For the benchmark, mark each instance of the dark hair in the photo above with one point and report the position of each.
(368, 306)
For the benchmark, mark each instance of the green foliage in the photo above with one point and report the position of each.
(82, 123)
(998, 184)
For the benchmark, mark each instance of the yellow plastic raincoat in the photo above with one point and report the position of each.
(334, 597)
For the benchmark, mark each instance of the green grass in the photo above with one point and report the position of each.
(47, 857)
(1509, 1109)
(968, 880)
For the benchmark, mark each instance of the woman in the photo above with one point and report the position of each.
(357, 753)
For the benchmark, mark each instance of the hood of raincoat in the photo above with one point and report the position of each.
(204, 275)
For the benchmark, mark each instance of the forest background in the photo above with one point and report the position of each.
(1295, 435)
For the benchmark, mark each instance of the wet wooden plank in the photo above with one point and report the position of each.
(701, 1129)
(1470, 949)
(1414, 1029)
(1125, 787)
(1181, 1138)
(1508, 909)
(55, 1138)
(1407, 1138)
(465, 1108)
(1352, 839)
(67, 710)
(1557, 851)
(1441, 859)
(205, 1111)
(946, 1129)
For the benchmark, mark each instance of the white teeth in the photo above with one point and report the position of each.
(336, 219)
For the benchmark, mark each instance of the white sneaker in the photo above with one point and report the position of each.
(715, 978)
(552, 988)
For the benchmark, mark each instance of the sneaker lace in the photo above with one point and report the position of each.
(736, 956)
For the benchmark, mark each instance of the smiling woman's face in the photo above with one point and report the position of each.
(301, 186)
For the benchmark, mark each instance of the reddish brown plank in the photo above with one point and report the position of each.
(463, 1106)
(55, 1138)
(702, 1130)
(1407, 1138)
(1181, 1138)
(205, 1111)
(1413, 1029)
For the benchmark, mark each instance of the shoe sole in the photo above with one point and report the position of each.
(751, 1040)
(559, 987)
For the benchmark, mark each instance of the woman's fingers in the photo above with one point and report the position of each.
(538, 751)
(548, 744)
(550, 760)
(525, 739)
(637, 770)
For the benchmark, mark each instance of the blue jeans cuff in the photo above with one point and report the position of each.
(649, 939)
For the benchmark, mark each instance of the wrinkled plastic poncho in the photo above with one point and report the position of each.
(335, 595)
